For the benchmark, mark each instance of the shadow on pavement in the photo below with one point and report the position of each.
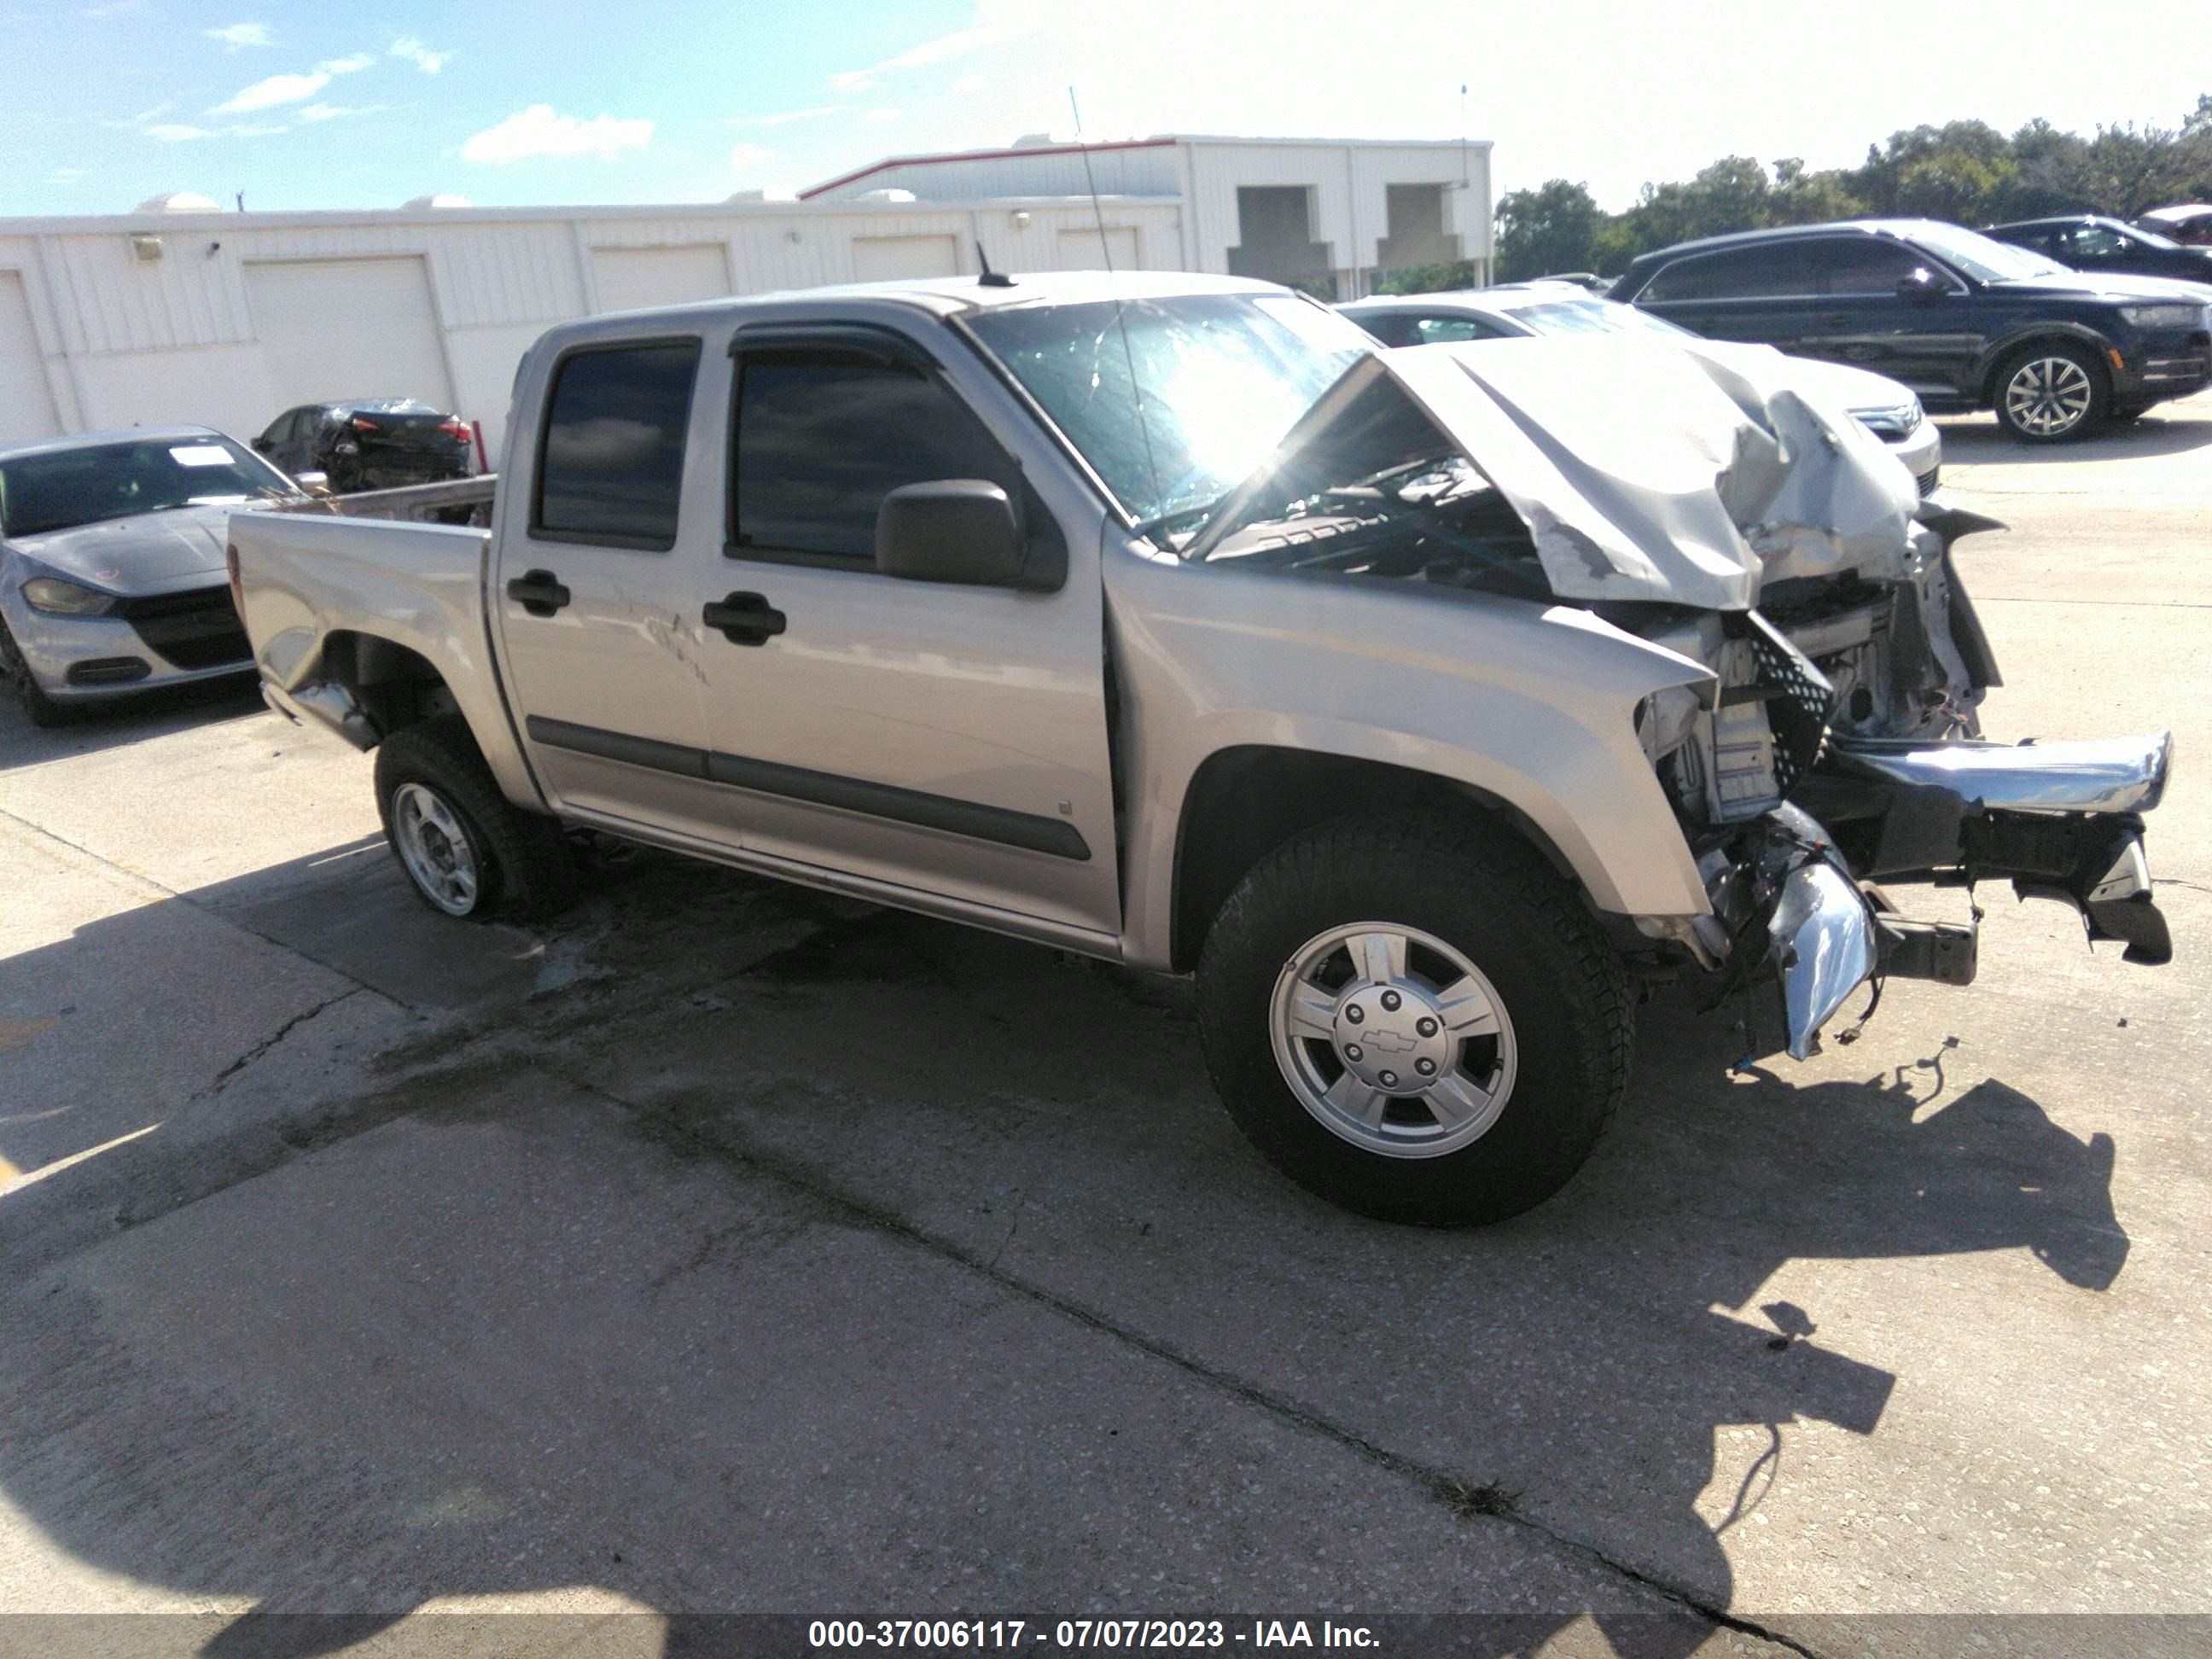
(913, 1268)
(115, 723)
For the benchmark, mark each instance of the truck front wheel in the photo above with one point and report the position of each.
(1414, 1018)
(466, 849)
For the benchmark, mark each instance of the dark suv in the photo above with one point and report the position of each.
(1967, 322)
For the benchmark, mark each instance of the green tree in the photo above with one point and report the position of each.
(1549, 229)
(1800, 197)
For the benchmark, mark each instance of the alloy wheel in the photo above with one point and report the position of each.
(2049, 397)
(1393, 1040)
(435, 848)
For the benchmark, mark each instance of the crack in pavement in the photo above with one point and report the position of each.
(1441, 1486)
(222, 1078)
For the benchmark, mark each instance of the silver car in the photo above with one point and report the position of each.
(112, 569)
(1885, 407)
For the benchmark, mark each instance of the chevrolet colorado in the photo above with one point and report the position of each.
(1421, 702)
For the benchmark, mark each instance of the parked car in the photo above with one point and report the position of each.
(2087, 241)
(2191, 224)
(1420, 702)
(371, 443)
(112, 573)
(1967, 322)
(1517, 310)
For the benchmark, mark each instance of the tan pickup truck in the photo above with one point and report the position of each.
(1421, 702)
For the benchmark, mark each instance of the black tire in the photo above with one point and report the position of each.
(41, 710)
(525, 869)
(2051, 356)
(1489, 898)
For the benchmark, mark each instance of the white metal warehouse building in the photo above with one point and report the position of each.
(230, 318)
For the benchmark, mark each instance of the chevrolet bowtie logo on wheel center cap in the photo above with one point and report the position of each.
(1389, 1041)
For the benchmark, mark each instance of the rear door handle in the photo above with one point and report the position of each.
(538, 592)
(743, 618)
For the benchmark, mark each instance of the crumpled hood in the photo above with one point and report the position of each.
(1663, 470)
(147, 553)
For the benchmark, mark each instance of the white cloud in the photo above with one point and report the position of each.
(538, 132)
(786, 117)
(994, 22)
(338, 111)
(410, 47)
(880, 116)
(276, 89)
(66, 175)
(234, 35)
(172, 133)
(746, 157)
(270, 93)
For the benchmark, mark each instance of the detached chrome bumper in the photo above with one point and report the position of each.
(1822, 938)
(2109, 774)
(2060, 820)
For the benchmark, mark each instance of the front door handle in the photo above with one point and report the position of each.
(743, 618)
(538, 592)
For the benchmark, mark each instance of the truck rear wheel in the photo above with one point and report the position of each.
(1415, 1019)
(467, 850)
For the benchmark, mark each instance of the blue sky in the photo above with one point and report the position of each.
(106, 102)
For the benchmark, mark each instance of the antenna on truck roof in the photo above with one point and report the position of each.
(990, 278)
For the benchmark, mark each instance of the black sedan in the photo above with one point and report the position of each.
(2087, 241)
(372, 443)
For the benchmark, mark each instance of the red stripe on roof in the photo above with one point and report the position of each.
(890, 162)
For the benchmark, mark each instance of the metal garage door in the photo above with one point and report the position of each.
(630, 278)
(1079, 250)
(880, 258)
(27, 407)
(347, 328)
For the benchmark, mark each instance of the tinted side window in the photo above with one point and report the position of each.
(821, 439)
(1774, 271)
(610, 461)
(1861, 264)
(2095, 242)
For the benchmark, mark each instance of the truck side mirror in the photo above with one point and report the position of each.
(312, 484)
(953, 530)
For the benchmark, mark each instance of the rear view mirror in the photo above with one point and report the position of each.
(955, 530)
(1921, 286)
(315, 484)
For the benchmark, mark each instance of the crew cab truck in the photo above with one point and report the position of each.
(1420, 702)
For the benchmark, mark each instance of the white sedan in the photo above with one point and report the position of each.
(1883, 406)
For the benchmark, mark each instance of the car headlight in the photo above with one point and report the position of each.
(61, 599)
(2165, 316)
(1899, 421)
